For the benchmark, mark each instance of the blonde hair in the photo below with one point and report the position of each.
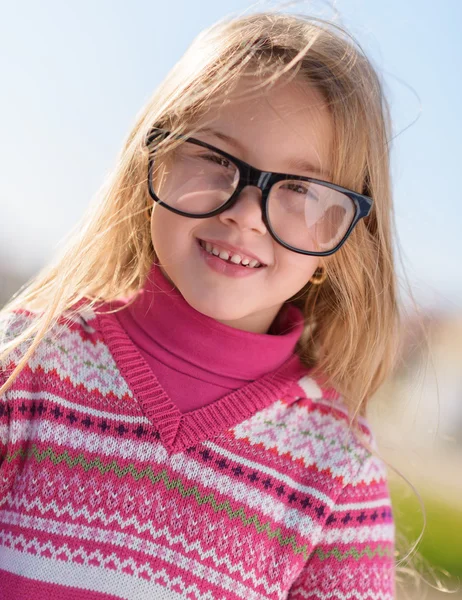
(351, 319)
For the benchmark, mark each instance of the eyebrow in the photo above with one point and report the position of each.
(297, 164)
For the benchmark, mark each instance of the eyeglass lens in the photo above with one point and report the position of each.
(305, 215)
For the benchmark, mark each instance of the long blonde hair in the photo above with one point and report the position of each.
(351, 319)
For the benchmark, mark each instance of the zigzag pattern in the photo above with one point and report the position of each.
(340, 581)
(170, 484)
(109, 497)
(45, 431)
(336, 594)
(352, 535)
(246, 495)
(379, 550)
(64, 435)
(129, 566)
(281, 569)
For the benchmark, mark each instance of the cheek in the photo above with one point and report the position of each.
(168, 232)
(156, 232)
(296, 268)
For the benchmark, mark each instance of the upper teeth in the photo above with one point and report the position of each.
(225, 255)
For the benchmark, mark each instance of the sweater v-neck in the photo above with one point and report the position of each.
(272, 379)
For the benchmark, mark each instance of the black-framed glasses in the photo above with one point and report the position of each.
(303, 214)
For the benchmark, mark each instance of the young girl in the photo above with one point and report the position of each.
(183, 390)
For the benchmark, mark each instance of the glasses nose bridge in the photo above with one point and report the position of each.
(253, 177)
(263, 180)
(257, 178)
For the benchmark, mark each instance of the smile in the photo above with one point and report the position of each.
(226, 255)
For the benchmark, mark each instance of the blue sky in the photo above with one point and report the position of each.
(75, 74)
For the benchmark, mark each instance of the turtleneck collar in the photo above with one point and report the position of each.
(164, 319)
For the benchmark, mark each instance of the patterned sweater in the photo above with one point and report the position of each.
(107, 491)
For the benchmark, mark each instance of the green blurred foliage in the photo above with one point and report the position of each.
(441, 544)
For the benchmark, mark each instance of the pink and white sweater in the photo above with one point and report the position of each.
(108, 491)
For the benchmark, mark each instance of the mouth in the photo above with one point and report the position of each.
(228, 255)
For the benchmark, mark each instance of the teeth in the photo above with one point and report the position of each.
(225, 255)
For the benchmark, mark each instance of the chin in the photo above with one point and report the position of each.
(216, 308)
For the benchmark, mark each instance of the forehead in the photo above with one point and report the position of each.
(287, 122)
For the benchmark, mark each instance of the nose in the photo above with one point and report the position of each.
(246, 212)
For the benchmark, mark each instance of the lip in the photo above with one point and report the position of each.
(233, 249)
(224, 267)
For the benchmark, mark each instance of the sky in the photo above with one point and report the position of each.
(75, 74)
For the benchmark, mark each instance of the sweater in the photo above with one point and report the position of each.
(196, 359)
(108, 491)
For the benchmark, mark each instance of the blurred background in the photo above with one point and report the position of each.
(75, 74)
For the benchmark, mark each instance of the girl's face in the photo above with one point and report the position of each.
(286, 125)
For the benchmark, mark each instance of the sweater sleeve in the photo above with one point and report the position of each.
(354, 555)
(10, 325)
(4, 407)
(5, 416)
(3, 422)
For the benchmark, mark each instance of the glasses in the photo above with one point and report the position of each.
(305, 215)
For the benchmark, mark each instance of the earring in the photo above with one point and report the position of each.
(319, 276)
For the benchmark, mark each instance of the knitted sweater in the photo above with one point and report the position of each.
(107, 491)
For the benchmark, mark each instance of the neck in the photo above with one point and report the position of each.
(260, 322)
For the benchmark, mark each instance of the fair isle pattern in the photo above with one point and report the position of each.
(285, 503)
(79, 359)
(315, 438)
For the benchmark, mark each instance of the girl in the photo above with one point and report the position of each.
(184, 389)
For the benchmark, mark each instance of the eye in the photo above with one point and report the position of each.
(219, 160)
(297, 188)
(300, 188)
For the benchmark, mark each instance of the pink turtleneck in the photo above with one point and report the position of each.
(196, 359)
